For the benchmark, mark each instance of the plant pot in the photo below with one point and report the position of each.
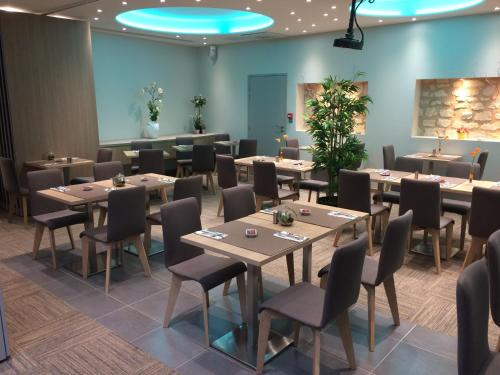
(328, 201)
(461, 136)
(152, 130)
(200, 131)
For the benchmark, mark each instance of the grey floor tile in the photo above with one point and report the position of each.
(135, 288)
(128, 323)
(95, 304)
(169, 346)
(433, 341)
(410, 360)
(68, 287)
(212, 362)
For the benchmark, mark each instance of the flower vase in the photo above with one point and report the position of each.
(471, 175)
(461, 136)
(152, 130)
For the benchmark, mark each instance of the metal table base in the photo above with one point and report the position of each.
(97, 264)
(156, 248)
(425, 248)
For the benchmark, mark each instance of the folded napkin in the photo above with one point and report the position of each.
(268, 211)
(342, 215)
(166, 180)
(211, 234)
(448, 185)
(389, 178)
(290, 236)
(61, 189)
(437, 178)
(109, 189)
(384, 172)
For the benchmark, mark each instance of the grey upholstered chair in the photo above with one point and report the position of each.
(184, 158)
(203, 163)
(474, 356)
(483, 221)
(15, 193)
(222, 149)
(288, 177)
(389, 157)
(318, 182)
(103, 155)
(314, 307)
(266, 185)
(246, 149)
(424, 199)
(137, 146)
(455, 203)
(151, 161)
(493, 257)
(292, 142)
(226, 176)
(106, 171)
(126, 211)
(376, 272)
(47, 213)
(187, 262)
(481, 160)
(183, 188)
(354, 194)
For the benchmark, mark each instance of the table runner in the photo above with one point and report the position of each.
(318, 216)
(97, 192)
(151, 182)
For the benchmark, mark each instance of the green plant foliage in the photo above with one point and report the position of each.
(199, 101)
(155, 94)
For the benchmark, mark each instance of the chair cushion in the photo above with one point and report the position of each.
(302, 302)
(286, 194)
(282, 179)
(99, 234)
(82, 180)
(492, 367)
(377, 209)
(456, 206)
(154, 219)
(208, 270)
(390, 197)
(185, 161)
(61, 219)
(370, 270)
(315, 185)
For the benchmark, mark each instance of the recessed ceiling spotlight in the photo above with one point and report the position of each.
(287, 28)
(304, 31)
(313, 25)
(259, 1)
(96, 18)
(292, 12)
(325, 14)
(204, 43)
(414, 19)
(334, 7)
(124, 29)
(162, 1)
(308, 1)
(335, 19)
(99, 10)
(204, 38)
(299, 19)
(248, 8)
(496, 9)
(124, 3)
(380, 21)
(198, 1)
(177, 36)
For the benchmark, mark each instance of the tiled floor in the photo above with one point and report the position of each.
(134, 310)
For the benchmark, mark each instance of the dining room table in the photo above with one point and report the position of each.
(132, 154)
(273, 241)
(63, 163)
(297, 167)
(88, 194)
(433, 158)
(233, 144)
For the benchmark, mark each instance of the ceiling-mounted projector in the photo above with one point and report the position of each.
(348, 41)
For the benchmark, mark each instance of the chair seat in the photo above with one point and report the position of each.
(155, 218)
(61, 219)
(377, 209)
(492, 367)
(456, 206)
(283, 179)
(208, 270)
(302, 302)
(99, 234)
(370, 270)
(314, 185)
(391, 197)
(82, 180)
(185, 161)
(286, 194)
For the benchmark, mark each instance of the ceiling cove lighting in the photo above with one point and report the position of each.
(194, 20)
(411, 8)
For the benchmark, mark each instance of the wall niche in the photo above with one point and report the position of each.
(306, 91)
(461, 108)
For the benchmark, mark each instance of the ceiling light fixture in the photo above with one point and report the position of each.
(348, 41)
(412, 8)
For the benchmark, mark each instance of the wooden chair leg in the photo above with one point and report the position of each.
(227, 285)
(178, 173)
(390, 291)
(371, 316)
(102, 216)
(221, 204)
(370, 235)
(24, 203)
(39, 228)
(463, 228)
(296, 333)
(475, 251)
(108, 268)
(264, 328)
(175, 287)
(163, 195)
(345, 334)
(291, 268)
(85, 257)
(317, 196)
(316, 351)
(210, 179)
(242, 293)
(147, 236)
(205, 303)
(53, 248)
(436, 249)
(70, 235)
(309, 196)
(337, 238)
(142, 255)
(258, 202)
(449, 239)
(120, 252)
(322, 282)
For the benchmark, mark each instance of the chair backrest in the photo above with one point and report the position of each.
(290, 153)
(493, 257)
(292, 142)
(389, 156)
(481, 160)
(239, 201)
(354, 190)
(41, 180)
(424, 199)
(405, 164)
(221, 137)
(104, 155)
(485, 206)
(9, 176)
(107, 170)
(203, 158)
(183, 155)
(189, 187)
(264, 179)
(392, 253)
(178, 219)
(226, 172)
(141, 145)
(151, 161)
(461, 169)
(247, 148)
(472, 318)
(126, 213)
(222, 149)
(344, 278)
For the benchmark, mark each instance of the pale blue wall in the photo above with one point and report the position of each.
(394, 57)
(123, 65)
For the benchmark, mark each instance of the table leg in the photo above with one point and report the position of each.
(66, 175)
(307, 263)
(252, 303)
(431, 167)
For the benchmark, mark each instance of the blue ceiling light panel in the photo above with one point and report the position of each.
(413, 8)
(200, 21)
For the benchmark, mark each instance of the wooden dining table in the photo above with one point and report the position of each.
(59, 163)
(232, 144)
(79, 195)
(257, 252)
(132, 154)
(298, 167)
(434, 158)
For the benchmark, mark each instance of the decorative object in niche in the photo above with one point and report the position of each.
(462, 108)
(307, 91)
(155, 94)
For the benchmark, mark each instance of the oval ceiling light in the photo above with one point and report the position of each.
(194, 20)
(410, 8)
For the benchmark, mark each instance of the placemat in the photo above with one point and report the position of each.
(318, 216)
(97, 192)
(265, 243)
(151, 182)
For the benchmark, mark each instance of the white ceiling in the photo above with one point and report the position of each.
(317, 12)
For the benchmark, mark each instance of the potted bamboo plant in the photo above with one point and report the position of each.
(331, 124)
